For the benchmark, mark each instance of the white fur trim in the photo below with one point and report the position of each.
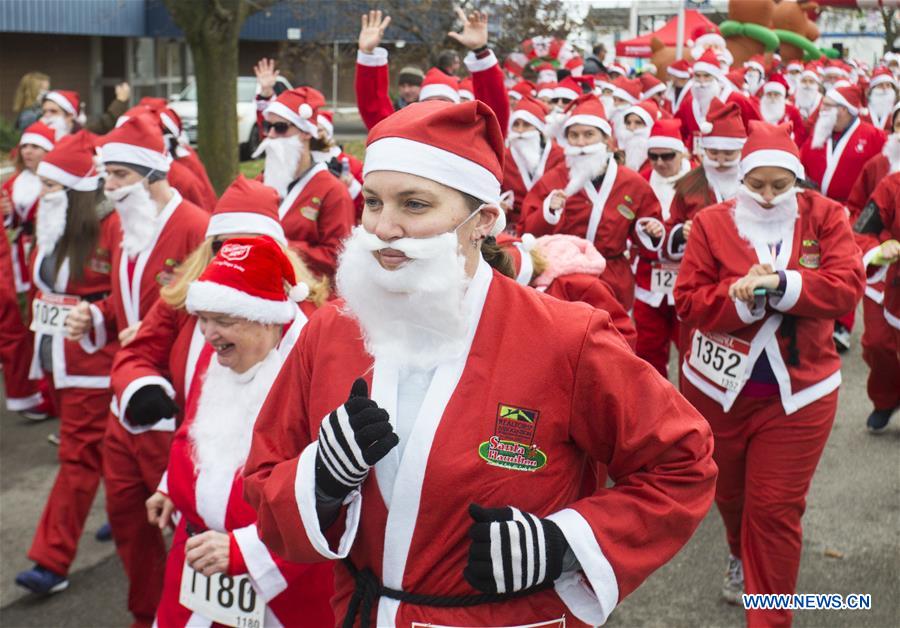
(466, 94)
(66, 179)
(400, 154)
(37, 139)
(299, 292)
(125, 398)
(326, 124)
(618, 92)
(17, 404)
(596, 121)
(717, 142)
(474, 64)
(374, 59)
(837, 97)
(439, 90)
(750, 315)
(882, 78)
(892, 320)
(245, 222)
(130, 154)
(98, 323)
(549, 216)
(262, 569)
(703, 66)
(294, 117)
(641, 113)
(678, 73)
(664, 141)
(777, 158)
(879, 275)
(644, 238)
(62, 101)
(710, 39)
(656, 89)
(528, 117)
(206, 296)
(565, 92)
(774, 86)
(792, 288)
(546, 92)
(163, 486)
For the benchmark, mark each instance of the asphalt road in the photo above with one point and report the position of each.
(851, 531)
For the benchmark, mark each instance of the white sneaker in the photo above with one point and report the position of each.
(733, 584)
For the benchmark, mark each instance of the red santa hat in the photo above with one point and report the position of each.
(848, 96)
(723, 128)
(246, 279)
(650, 85)
(601, 81)
(438, 84)
(796, 64)
(325, 119)
(522, 88)
(770, 145)
(617, 68)
(811, 71)
(707, 35)
(588, 110)
(647, 111)
(776, 83)
(134, 112)
(460, 146)
(170, 121)
(627, 89)
(154, 103)
(756, 62)
(575, 65)
(835, 67)
(67, 100)
(708, 63)
(299, 107)
(247, 206)
(138, 141)
(680, 69)
(532, 111)
(71, 163)
(546, 73)
(519, 251)
(882, 75)
(567, 88)
(40, 135)
(466, 89)
(546, 90)
(666, 133)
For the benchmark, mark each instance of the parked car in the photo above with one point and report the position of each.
(185, 105)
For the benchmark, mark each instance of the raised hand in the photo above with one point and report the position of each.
(475, 29)
(372, 30)
(266, 75)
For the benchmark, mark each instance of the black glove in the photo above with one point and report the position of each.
(512, 550)
(351, 440)
(335, 167)
(149, 405)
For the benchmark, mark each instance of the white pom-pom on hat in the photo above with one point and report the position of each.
(706, 127)
(299, 292)
(528, 242)
(305, 111)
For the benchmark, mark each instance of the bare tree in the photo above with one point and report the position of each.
(890, 18)
(211, 28)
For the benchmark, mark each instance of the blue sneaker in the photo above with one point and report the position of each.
(878, 420)
(41, 581)
(104, 533)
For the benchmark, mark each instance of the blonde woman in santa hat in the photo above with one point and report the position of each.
(316, 209)
(476, 401)
(19, 196)
(76, 235)
(761, 283)
(594, 197)
(218, 570)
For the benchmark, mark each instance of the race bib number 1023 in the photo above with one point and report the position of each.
(226, 600)
(721, 358)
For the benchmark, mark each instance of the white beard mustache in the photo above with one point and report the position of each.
(58, 124)
(25, 192)
(704, 94)
(824, 128)
(805, 99)
(138, 214)
(222, 429)
(617, 118)
(415, 315)
(753, 81)
(282, 159)
(51, 219)
(554, 124)
(526, 147)
(634, 143)
(726, 182)
(761, 226)
(585, 163)
(772, 112)
(891, 150)
(881, 102)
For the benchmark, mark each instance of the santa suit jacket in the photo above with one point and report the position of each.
(295, 594)
(73, 367)
(186, 156)
(582, 390)
(835, 166)
(886, 124)
(520, 184)
(186, 182)
(584, 288)
(876, 170)
(610, 217)
(373, 84)
(317, 214)
(683, 208)
(792, 115)
(885, 202)
(690, 116)
(824, 281)
(356, 170)
(21, 222)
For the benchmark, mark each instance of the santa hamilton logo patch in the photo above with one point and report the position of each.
(512, 446)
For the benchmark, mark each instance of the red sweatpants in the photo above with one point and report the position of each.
(657, 328)
(848, 319)
(132, 467)
(15, 341)
(879, 350)
(766, 463)
(82, 423)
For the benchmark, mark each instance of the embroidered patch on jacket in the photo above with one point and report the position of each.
(310, 212)
(512, 445)
(626, 211)
(809, 254)
(99, 266)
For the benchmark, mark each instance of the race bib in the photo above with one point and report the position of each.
(49, 312)
(662, 277)
(721, 358)
(224, 599)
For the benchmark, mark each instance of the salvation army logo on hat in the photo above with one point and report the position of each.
(235, 252)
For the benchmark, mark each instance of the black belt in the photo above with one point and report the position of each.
(94, 296)
(368, 589)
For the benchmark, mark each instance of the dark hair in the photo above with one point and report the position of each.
(694, 182)
(445, 59)
(596, 50)
(81, 233)
(490, 250)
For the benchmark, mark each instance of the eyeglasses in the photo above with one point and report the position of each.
(280, 127)
(661, 156)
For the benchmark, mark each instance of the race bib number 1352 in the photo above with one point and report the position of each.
(224, 599)
(721, 358)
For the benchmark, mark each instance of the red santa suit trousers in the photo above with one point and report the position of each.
(879, 350)
(657, 327)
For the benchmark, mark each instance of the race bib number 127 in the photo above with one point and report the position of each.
(721, 358)
(224, 599)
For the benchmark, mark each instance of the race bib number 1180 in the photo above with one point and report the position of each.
(224, 599)
(721, 358)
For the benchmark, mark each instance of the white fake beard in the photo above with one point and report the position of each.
(891, 150)
(25, 191)
(585, 163)
(282, 159)
(414, 315)
(726, 181)
(138, 214)
(617, 117)
(554, 124)
(881, 102)
(805, 99)
(634, 143)
(824, 128)
(752, 82)
(761, 226)
(51, 219)
(526, 147)
(58, 124)
(793, 82)
(223, 425)
(704, 94)
(664, 187)
(772, 111)
(608, 104)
